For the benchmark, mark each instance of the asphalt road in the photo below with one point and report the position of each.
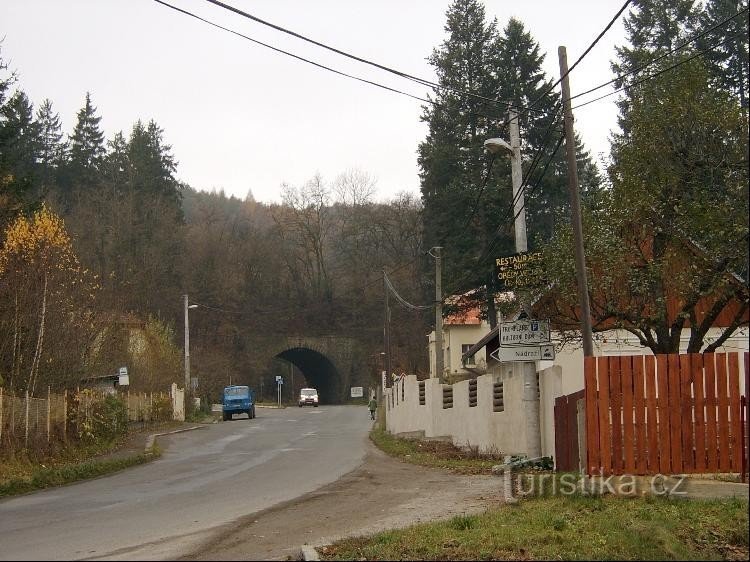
(205, 479)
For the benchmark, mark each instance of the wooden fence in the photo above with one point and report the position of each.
(566, 432)
(664, 414)
(28, 422)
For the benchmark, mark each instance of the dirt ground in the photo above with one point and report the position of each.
(383, 493)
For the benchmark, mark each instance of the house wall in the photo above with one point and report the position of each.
(454, 336)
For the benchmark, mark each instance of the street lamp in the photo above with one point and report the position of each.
(530, 384)
(187, 342)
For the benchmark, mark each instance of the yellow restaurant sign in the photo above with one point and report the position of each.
(519, 270)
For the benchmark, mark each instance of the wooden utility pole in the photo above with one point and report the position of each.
(575, 208)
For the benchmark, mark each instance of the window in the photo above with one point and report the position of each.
(469, 360)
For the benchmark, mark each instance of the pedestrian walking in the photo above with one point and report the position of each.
(372, 406)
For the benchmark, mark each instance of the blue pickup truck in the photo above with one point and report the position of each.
(238, 400)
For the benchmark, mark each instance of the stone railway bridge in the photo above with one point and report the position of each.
(332, 364)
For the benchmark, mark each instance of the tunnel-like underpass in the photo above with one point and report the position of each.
(319, 372)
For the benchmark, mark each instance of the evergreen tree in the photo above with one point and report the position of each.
(19, 153)
(506, 67)
(727, 46)
(452, 158)
(51, 146)
(653, 27)
(86, 147)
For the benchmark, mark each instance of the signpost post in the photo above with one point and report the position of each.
(279, 382)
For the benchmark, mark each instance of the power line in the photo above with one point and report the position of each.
(418, 80)
(400, 299)
(586, 52)
(656, 74)
(663, 55)
(322, 66)
(282, 51)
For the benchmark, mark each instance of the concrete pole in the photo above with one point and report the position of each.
(575, 208)
(530, 384)
(387, 334)
(519, 208)
(187, 351)
(439, 367)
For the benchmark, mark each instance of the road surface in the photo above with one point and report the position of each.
(205, 479)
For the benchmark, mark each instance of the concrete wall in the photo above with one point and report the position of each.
(477, 426)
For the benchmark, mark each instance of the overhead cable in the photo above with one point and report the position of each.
(586, 52)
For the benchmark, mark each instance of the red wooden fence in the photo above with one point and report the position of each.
(566, 432)
(667, 414)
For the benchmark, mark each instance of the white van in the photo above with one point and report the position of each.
(308, 397)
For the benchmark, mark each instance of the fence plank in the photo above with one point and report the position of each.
(709, 364)
(593, 458)
(560, 434)
(696, 368)
(723, 401)
(603, 403)
(652, 426)
(735, 424)
(615, 393)
(686, 410)
(642, 447)
(675, 417)
(745, 428)
(628, 424)
(665, 415)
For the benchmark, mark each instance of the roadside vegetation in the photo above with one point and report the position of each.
(437, 454)
(569, 528)
(25, 472)
(548, 526)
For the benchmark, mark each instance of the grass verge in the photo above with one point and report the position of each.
(46, 477)
(436, 454)
(547, 527)
(25, 473)
(569, 528)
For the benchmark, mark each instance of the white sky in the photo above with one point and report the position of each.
(242, 117)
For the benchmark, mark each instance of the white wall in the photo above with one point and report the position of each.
(465, 425)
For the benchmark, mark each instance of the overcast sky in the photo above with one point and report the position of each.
(241, 117)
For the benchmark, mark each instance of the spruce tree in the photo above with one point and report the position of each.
(726, 46)
(51, 146)
(86, 147)
(19, 153)
(452, 158)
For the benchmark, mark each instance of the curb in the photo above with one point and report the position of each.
(308, 553)
(152, 438)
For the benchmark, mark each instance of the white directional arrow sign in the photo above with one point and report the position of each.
(524, 353)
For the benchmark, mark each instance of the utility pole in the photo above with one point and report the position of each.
(575, 208)
(530, 383)
(187, 350)
(387, 334)
(439, 367)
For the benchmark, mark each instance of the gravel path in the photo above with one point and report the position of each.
(383, 493)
